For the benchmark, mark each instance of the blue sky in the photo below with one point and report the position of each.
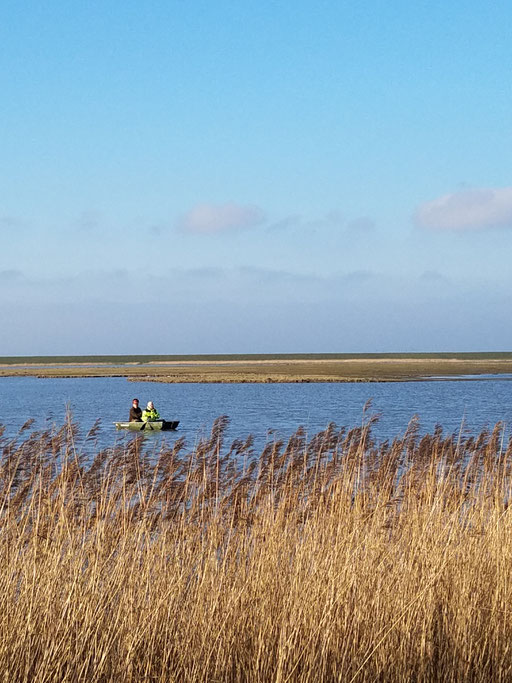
(255, 177)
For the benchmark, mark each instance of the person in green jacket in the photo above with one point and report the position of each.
(151, 413)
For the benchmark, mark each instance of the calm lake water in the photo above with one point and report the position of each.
(254, 408)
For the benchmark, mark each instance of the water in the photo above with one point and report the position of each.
(254, 408)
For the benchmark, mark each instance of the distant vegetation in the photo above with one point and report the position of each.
(324, 558)
(45, 360)
(264, 368)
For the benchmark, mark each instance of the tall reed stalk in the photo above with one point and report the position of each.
(325, 558)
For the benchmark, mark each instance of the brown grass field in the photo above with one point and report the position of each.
(327, 558)
(299, 368)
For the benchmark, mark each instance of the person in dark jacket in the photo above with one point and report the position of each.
(135, 411)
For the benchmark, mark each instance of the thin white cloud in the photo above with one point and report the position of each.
(215, 218)
(333, 220)
(474, 209)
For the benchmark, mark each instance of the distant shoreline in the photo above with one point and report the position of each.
(218, 357)
(266, 368)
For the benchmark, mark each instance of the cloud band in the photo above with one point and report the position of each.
(474, 209)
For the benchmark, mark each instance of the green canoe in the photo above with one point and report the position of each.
(154, 426)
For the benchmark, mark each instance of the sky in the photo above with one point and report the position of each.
(240, 177)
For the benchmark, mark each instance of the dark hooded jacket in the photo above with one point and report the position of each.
(135, 414)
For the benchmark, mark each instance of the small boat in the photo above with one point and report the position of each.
(149, 426)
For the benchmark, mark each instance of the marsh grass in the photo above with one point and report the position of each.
(323, 558)
(264, 368)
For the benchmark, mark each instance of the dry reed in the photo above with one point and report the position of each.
(329, 558)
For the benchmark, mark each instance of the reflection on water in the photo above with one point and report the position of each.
(254, 408)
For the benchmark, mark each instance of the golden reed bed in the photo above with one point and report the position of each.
(323, 559)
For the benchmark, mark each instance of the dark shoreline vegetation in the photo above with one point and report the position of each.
(176, 358)
(329, 557)
(377, 367)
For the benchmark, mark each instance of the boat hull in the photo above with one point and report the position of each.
(153, 426)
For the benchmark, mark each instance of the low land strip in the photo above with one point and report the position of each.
(269, 368)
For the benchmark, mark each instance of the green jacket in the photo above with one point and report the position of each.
(150, 415)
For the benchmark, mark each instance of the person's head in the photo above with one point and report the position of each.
(150, 405)
(135, 403)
